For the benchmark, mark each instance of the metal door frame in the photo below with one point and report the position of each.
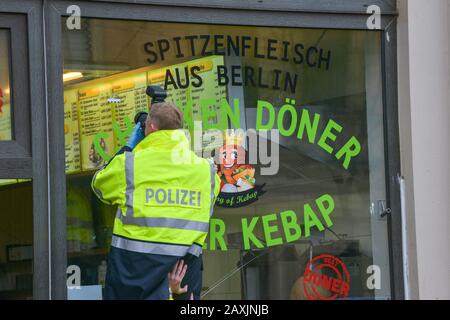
(27, 156)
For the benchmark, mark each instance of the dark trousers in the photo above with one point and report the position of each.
(141, 276)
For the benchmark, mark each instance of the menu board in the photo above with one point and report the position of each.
(99, 114)
(208, 91)
(131, 98)
(95, 123)
(71, 132)
(210, 88)
(5, 117)
(177, 95)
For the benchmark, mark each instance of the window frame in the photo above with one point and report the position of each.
(340, 14)
(15, 154)
(26, 156)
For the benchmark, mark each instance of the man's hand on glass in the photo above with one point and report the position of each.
(176, 277)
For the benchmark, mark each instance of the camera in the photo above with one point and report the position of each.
(157, 94)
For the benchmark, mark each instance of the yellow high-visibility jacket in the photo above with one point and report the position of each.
(165, 195)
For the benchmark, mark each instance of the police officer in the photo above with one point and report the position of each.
(165, 196)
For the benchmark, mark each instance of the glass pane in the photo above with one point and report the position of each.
(317, 185)
(16, 239)
(5, 94)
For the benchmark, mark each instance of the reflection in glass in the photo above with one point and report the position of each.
(16, 239)
(5, 87)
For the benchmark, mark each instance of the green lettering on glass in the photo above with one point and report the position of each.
(311, 128)
(188, 119)
(351, 149)
(208, 113)
(291, 109)
(98, 148)
(247, 234)
(233, 115)
(268, 230)
(311, 220)
(327, 134)
(327, 209)
(261, 105)
(122, 136)
(290, 225)
(216, 233)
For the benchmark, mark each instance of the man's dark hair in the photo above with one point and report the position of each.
(166, 116)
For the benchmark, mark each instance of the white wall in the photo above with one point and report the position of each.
(424, 108)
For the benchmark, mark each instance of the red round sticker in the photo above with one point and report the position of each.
(326, 273)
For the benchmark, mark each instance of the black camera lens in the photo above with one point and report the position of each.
(141, 117)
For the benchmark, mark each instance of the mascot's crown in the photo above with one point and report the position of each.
(234, 137)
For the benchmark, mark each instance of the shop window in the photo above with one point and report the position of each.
(16, 191)
(316, 186)
(15, 141)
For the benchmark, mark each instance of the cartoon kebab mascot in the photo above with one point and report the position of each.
(236, 176)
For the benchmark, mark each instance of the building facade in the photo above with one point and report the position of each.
(339, 108)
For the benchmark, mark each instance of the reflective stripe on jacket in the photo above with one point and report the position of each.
(165, 195)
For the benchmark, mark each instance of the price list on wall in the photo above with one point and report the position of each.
(99, 114)
(211, 94)
(210, 89)
(177, 95)
(131, 98)
(188, 99)
(71, 132)
(5, 116)
(95, 123)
